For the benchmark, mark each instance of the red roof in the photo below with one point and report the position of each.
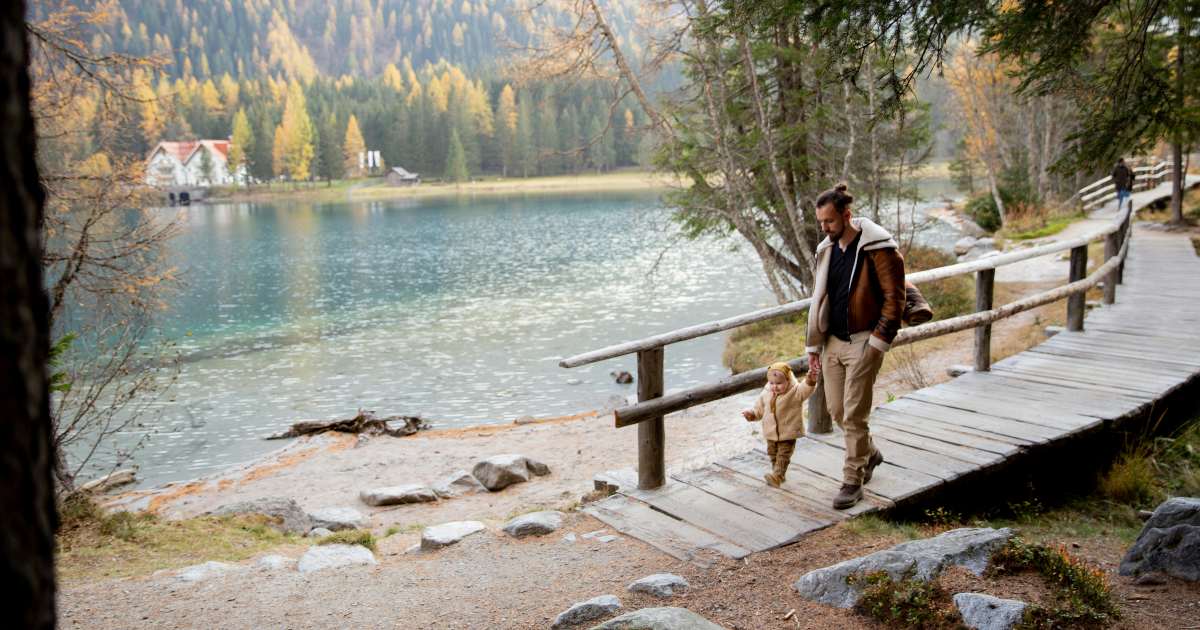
(184, 150)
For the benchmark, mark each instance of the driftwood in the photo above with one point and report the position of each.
(364, 423)
(110, 481)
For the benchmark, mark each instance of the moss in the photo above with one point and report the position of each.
(904, 603)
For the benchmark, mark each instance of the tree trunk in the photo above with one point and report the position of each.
(1177, 172)
(27, 494)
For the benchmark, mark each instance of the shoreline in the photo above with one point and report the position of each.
(375, 189)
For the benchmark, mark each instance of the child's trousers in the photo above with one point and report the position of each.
(780, 454)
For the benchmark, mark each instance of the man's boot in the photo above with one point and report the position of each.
(916, 309)
(849, 495)
(875, 460)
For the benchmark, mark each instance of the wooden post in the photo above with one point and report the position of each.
(652, 466)
(819, 420)
(984, 281)
(1124, 234)
(1076, 303)
(1111, 247)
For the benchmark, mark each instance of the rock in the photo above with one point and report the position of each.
(286, 513)
(981, 248)
(574, 381)
(525, 420)
(569, 537)
(594, 534)
(398, 495)
(1150, 579)
(984, 612)
(622, 377)
(199, 572)
(659, 584)
(274, 562)
(606, 539)
(1053, 330)
(1169, 541)
(438, 536)
(338, 518)
(971, 548)
(955, 371)
(964, 245)
(320, 557)
(319, 532)
(666, 618)
(593, 608)
(1172, 550)
(501, 471)
(986, 242)
(1145, 515)
(458, 483)
(614, 402)
(1172, 512)
(534, 524)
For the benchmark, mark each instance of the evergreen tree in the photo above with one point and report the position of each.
(298, 134)
(332, 159)
(206, 165)
(506, 129)
(456, 160)
(525, 152)
(262, 165)
(352, 148)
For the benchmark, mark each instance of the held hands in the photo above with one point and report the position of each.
(814, 365)
(749, 415)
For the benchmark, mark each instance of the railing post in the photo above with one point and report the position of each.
(1111, 247)
(819, 420)
(652, 467)
(984, 281)
(1076, 303)
(1124, 234)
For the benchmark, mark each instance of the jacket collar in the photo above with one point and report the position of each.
(873, 236)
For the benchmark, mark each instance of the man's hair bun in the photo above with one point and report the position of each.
(836, 196)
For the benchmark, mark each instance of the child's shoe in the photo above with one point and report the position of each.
(771, 479)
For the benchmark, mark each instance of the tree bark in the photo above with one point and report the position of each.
(1177, 172)
(27, 494)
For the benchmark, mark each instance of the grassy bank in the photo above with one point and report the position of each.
(377, 188)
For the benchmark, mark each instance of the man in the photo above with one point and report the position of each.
(858, 301)
(1122, 177)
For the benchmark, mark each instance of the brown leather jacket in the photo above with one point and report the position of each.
(877, 300)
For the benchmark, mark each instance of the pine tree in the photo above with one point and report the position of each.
(352, 147)
(332, 165)
(241, 147)
(506, 129)
(206, 165)
(456, 160)
(525, 152)
(262, 165)
(279, 152)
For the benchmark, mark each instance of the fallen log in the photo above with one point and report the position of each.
(110, 481)
(364, 423)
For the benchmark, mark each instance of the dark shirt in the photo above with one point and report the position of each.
(841, 266)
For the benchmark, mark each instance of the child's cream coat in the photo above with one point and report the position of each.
(785, 419)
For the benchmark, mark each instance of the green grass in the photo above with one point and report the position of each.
(763, 343)
(350, 537)
(1052, 226)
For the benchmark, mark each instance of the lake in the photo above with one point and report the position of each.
(454, 309)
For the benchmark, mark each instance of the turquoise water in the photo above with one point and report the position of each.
(454, 309)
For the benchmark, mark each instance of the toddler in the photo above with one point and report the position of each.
(781, 409)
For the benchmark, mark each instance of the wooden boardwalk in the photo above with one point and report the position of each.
(1131, 355)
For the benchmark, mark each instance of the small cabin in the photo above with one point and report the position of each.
(397, 176)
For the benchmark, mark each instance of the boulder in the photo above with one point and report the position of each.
(1169, 541)
(322, 557)
(338, 518)
(659, 584)
(666, 618)
(398, 495)
(964, 245)
(446, 534)
(199, 572)
(458, 483)
(984, 612)
(593, 608)
(622, 377)
(274, 562)
(534, 524)
(955, 371)
(501, 471)
(925, 559)
(319, 532)
(289, 517)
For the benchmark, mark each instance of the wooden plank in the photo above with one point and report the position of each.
(757, 497)
(669, 535)
(1066, 371)
(954, 446)
(1090, 388)
(1098, 400)
(804, 485)
(726, 520)
(937, 431)
(903, 456)
(890, 481)
(1143, 364)
(1060, 401)
(1181, 359)
(965, 418)
(1065, 422)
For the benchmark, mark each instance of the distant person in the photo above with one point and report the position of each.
(1122, 177)
(859, 300)
(780, 406)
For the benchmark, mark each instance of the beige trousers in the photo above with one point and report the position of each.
(849, 370)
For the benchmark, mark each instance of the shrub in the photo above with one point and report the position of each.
(906, 603)
(950, 297)
(762, 343)
(983, 211)
(1132, 479)
(1085, 596)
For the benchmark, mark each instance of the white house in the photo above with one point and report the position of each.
(183, 164)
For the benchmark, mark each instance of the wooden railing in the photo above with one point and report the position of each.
(652, 405)
(1103, 191)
